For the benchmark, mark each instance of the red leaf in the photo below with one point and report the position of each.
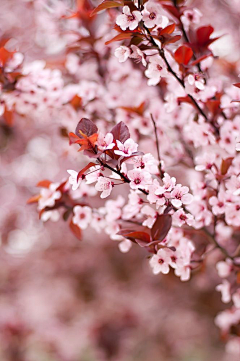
(169, 29)
(44, 183)
(120, 37)
(76, 230)
(91, 164)
(85, 127)
(203, 34)
(172, 39)
(106, 5)
(161, 227)
(237, 85)
(183, 54)
(226, 164)
(120, 132)
(137, 236)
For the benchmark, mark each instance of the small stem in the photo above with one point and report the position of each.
(158, 148)
(120, 174)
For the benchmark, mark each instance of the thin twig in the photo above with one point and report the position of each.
(158, 148)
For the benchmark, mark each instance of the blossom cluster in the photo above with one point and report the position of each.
(159, 121)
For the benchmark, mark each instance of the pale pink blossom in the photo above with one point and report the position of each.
(191, 16)
(122, 53)
(128, 19)
(125, 245)
(139, 178)
(127, 149)
(180, 217)
(49, 196)
(105, 186)
(105, 142)
(168, 184)
(160, 262)
(152, 15)
(73, 179)
(156, 69)
(180, 195)
(218, 203)
(82, 216)
(138, 55)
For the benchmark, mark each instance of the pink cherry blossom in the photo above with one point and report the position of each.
(49, 196)
(160, 262)
(191, 16)
(218, 203)
(139, 179)
(82, 216)
(128, 19)
(138, 55)
(180, 196)
(180, 218)
(73, 179)
(127, 149)
(122, 53)
(105, 142)
(152, 15)
(156, 69)
(105, 186)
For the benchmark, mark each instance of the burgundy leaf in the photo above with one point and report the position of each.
(120, 132)
(161, 227)
(87, 127)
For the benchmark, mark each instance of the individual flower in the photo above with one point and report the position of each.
(138, 55)
(104, 185)
(127, 149)
(180, 218)
(151, 15)
(125, 245)
(93, 174)
(73, 179)
(152, 197)
(82, 216)
(156, 69)
(190, 16)
(218, 203)
(160, 262)
(139, 178)
(146, 162)
(180, 196)
(122, 53)
(168, 184)
(205, 162)
(48, 196)
(128, 19)
(105, 142)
